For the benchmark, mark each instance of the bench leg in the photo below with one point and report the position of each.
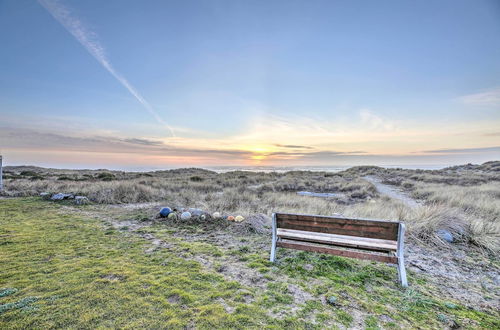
(402, 272)
(401, 257)
(273, 245)
(273, 251)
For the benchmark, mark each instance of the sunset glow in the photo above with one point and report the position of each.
(249, 90)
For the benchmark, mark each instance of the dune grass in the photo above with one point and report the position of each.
(463, 200)
(60, 269)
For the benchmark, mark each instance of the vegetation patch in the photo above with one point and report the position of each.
(84, 273)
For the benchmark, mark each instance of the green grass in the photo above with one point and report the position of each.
(63, 270)
(85, 276)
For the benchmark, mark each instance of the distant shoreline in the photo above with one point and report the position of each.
(224, 169)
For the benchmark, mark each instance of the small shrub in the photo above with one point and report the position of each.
(28, 173)
(106, 176)
(407, 185)
(7, 292)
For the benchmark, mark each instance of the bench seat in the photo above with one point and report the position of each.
(339, 240)
(367, 239)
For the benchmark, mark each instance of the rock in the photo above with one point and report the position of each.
(230, 218)
(57, 197)
(81, 200)
(216, 215)
(257, 223)
(204, 217)
(308, 267)
(332, 300)
(45, 195)
(165, 211)
(239, 218)
(61, 196)
(314, 194)
(445, 235)
(172, 216)
(185, 215)
(195, 212)
(358, 194)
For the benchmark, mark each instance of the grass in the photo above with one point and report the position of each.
(81, 276)
(60, 269)
(462, 200)
(187, 185)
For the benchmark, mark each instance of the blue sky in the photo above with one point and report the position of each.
(239, 82)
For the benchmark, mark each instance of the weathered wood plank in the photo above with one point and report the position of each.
(349, 226)
(356, 237)
(340, 225)
(337, 219)
(341, 240)
(338, 252)
(361, 231)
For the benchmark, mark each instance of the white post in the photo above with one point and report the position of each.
(1, 174)
(401, 256)
(273, 246)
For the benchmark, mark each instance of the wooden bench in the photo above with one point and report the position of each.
(355, 238)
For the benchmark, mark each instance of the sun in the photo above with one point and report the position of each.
(259, 153)
(258, 157)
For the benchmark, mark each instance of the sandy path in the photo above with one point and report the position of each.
(391, 191)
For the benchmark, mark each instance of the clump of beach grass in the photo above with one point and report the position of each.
(462, 200)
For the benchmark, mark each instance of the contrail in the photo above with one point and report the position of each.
(89, 40)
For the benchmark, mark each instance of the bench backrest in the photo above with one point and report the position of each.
(339, 225)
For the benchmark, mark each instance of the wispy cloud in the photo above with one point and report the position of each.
(492, 134)
(143, 142)
(30, 139)
(489, 97)
(375, 122)
(41, 147)
(464, 150)
(89, 40)
(292, 146)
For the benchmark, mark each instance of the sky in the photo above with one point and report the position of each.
(150, 84)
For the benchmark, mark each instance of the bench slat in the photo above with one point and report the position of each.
(341, 240)
(332, 228)
(356, 237)
(337, 220)
(338, 252)
(379, 229)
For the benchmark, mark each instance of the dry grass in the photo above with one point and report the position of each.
(422, 222)
(480, 204)
(463, 200)
(187, 185)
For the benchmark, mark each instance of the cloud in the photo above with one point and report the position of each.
(492, 134)
(464, 150)
(489, 97)
(21, 145)
(31, 139)
(316, 154)
(28, 139)
(143, 142)
(374, 122)
(291, 146)
(89, 40)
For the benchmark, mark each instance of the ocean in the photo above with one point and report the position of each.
(281, 169)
